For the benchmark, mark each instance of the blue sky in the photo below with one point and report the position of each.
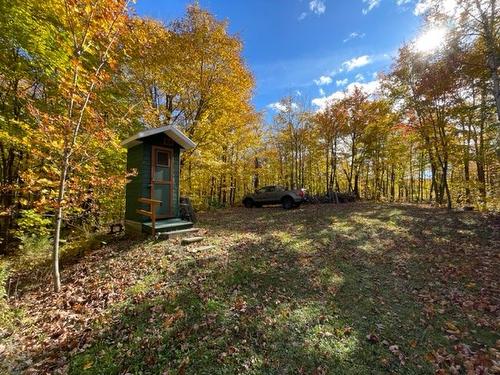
(313, 49)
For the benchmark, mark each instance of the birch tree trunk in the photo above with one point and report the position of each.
(59, 212)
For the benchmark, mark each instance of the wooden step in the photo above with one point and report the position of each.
(167, 225)
(178, 233)
(190, 240)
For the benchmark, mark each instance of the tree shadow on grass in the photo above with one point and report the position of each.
(323, 289)
(256, 313)
(318, 299)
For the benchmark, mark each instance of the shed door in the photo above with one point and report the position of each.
(162, 180)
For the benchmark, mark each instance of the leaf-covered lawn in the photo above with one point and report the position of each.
(324, 289)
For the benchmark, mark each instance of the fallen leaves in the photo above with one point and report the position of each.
(170, 319)
(372, 337)
(182, 367)
(240, 305)
(394, 349)
(66, 320)
(452, 329)
(269, 281)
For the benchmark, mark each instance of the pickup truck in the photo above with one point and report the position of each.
(274, 195)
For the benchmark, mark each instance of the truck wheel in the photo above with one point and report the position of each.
(258, 205)
(248, 203)
(287, 203)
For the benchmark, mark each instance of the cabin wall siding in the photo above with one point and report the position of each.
(175, 186)
(133, 189)
(139, 157)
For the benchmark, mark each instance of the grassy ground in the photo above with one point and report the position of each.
(324, 289)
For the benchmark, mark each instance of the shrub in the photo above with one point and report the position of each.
(32, 224)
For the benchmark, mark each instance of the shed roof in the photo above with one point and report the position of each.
(171, 131)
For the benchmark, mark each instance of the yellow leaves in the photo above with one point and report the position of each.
(172, 318)
(23, 201)
(451, 328)
(200, 65)
(14, 133)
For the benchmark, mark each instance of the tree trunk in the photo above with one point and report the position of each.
(481, 178)
(467, 173)
(59, 213)
(256, 174)
(356, 185)
(496, 84)
(393, 178)
(448, 194)
(411, 174)
(366, 181)
(327, 169)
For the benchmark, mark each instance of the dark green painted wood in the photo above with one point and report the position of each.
(133, 190)
(139, 158)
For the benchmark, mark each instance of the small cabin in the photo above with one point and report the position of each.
(152, 194)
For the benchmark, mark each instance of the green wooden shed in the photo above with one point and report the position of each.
(152, 195)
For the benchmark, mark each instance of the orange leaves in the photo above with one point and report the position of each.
(239, 305)
(172, 318)
(451, 328)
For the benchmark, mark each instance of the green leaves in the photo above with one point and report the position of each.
(32, 223)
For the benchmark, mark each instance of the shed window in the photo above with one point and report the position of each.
(163, 159)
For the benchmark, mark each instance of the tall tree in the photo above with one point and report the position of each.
(91, 30)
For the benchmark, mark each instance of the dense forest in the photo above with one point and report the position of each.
(77, 77)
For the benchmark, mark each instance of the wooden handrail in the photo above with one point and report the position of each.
(149, 201)
(145, 213)
(151, 214)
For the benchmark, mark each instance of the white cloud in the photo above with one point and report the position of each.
(317, 6)
(281, 107)
(449, 7)
(342, 82)
(354, 35)
(359, 77)
(334, 72)
(323, 80)
(298, 92)
(321, 92)
(322, 102)
(370, 5)
(421, 7)
(277, 106)
(369, 88)
(402, 2)
(357, 62)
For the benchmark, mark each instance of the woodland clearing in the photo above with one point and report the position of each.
(356, 288)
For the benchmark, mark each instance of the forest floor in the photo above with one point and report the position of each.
(351, 289)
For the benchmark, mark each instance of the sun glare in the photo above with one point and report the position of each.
(430, 40)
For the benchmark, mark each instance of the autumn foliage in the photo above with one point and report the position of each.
(77, 77)
(81, 76)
